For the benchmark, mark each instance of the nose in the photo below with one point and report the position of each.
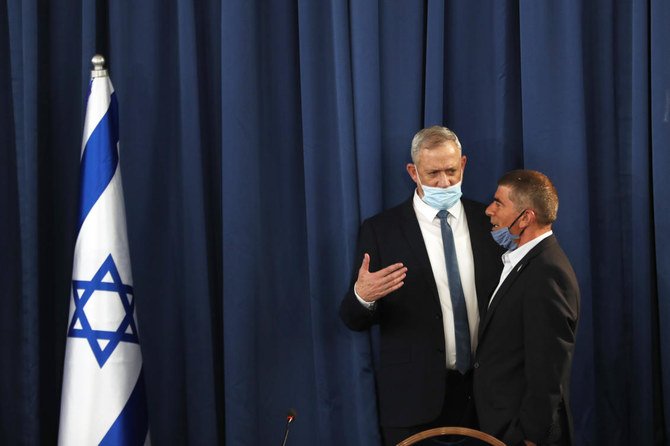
(443, 180)
(489, 210)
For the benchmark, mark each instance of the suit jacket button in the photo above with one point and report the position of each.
(476, 365)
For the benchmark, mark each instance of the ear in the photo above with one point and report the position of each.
(411, 170)
(464, 159)
(528, 218)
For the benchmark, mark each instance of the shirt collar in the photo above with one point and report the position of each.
(429, 212)
(513, 257)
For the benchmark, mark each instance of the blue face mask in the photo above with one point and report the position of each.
(441, 198)
(505, 238)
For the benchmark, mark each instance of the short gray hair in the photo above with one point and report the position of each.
(430, 137)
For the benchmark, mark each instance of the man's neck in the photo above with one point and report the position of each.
(531, 233)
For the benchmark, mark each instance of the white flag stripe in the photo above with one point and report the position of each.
(86, 375)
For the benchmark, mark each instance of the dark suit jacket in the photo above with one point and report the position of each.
(412, 372)
(526, 341)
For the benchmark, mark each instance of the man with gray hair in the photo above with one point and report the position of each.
(428, 267)
(527, 338)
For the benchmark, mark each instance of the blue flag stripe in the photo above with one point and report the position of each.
(132, 425)
(99, 160)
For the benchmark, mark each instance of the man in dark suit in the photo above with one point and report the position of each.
(428, 267)
(527, 337)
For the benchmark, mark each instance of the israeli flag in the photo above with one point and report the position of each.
(103, 399)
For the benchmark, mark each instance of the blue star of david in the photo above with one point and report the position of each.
(86, 331)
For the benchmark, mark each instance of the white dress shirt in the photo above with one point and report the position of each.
(429, 223)
(511, 258)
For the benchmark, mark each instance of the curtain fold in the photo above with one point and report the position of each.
(46, 93)
(482, 91)
(328, 168)
(640, 245)
(23, 91)
(257, 135)
(660, 207)
(165, 69)
(10, 251)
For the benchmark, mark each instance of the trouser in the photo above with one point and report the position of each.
(458, 410)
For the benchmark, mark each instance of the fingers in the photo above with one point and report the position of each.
(371, 286)
(394, 287)
(393, 282)
(386, 287)
(391, 269)
(365, 266)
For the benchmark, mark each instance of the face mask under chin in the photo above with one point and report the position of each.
(505, 238)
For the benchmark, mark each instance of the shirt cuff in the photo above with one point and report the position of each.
(366, 304)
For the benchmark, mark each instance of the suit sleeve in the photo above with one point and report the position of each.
(355, 315)
(550, 313)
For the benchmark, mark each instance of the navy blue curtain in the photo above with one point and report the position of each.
(255, 137)
(10, 254)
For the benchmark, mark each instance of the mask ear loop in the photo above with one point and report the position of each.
(515, 220)
(416, 168)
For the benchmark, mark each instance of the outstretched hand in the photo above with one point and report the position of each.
(372, 286)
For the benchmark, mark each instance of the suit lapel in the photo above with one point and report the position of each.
(511, 278)
(478, 235)
(412, 231)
